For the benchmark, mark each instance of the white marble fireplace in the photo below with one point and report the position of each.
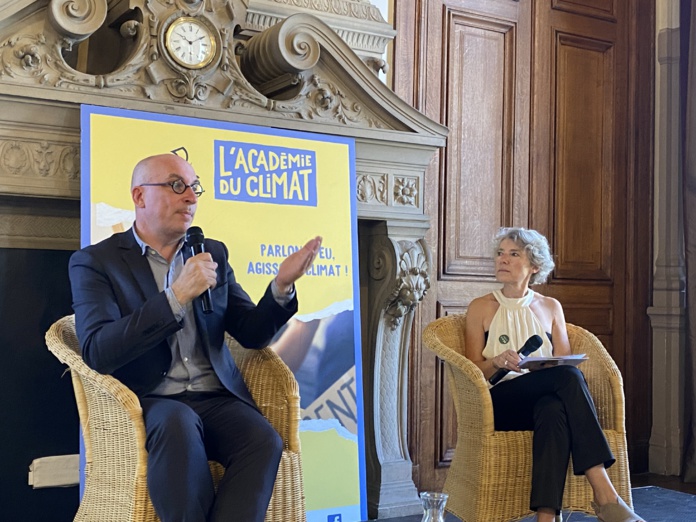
(270, 69)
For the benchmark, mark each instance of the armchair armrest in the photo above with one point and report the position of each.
(112, 427)
(603, 378)
(273, 387)
(473, 402)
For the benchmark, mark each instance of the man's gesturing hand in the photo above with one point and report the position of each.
(296, 264)
(196, 277)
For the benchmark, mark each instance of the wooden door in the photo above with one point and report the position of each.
(542, 100)
(590, 180)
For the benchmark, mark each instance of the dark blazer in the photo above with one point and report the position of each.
(123, 321)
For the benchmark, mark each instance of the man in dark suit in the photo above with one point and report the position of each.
(139, 318)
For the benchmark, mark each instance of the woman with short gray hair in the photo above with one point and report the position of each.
(535, 245)
(553, 402)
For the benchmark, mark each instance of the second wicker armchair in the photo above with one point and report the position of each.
(490, 475)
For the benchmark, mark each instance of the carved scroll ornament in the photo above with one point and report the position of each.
(411, 278)
(77, 19)
(288, 52)
(412, 284)
(36, 59)
(291, 48)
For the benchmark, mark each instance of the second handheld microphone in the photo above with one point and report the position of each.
(194, 239)
(532, 344)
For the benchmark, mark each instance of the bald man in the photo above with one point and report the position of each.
(140, 319)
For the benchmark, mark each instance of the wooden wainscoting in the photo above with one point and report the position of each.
(549, 106)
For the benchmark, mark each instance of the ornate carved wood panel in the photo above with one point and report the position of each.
(605, 9)
(584, 158)
(480, 95)
(579, 173)
(481, 53)
(591, 180)
(539, 98)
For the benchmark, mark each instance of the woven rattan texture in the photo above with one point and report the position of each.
(490, 475)
(114, 433)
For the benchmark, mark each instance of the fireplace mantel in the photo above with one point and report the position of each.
(298, 74)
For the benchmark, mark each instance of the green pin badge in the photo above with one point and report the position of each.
(503, 339)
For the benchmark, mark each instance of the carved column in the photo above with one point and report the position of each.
(667, 313)
(397, 262)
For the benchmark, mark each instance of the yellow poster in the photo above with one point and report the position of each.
(267, 192)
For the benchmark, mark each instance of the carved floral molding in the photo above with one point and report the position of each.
(361, 9)
(406, 191)
(35, 56)
(321, 81)
(39, 159)
(372, 188)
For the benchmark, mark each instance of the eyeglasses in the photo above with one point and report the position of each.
(178, 186)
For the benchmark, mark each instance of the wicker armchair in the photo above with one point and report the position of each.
(490, 475)
(114, 433)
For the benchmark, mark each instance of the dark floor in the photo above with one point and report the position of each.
(654, 495)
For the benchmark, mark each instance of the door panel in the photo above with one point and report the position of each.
(578, 171)
(480, 93)
(584, 159)
(540, 99)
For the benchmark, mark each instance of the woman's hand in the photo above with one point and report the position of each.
(508, 360)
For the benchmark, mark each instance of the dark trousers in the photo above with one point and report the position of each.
(556, 404)
(183, 432)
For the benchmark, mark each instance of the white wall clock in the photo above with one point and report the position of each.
(190, 42)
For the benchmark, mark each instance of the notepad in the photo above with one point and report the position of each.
(538, 363)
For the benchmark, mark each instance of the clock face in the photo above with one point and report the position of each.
(190, 43)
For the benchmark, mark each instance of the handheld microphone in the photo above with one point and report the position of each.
(194, 239)
(532, 344)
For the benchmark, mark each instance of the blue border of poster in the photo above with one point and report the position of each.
(100, 145)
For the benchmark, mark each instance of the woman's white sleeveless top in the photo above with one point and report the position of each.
(512, 325)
